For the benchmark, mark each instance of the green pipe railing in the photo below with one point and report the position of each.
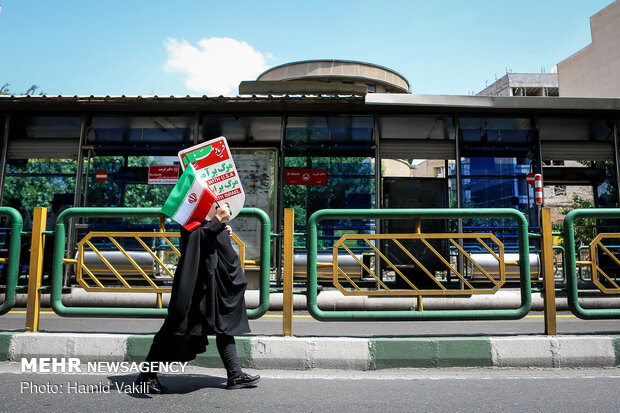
(524, 265)
(13, 257)
(571, 265)
(94, 212)
(563, 251)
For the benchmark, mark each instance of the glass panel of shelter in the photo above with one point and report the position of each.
(41, 160)
(589, 180)
(5, 231)
(254, 142)
(415, 153)
(118, 151)
(496, 154)
(338, 151)
(40, 170)
(586, 170)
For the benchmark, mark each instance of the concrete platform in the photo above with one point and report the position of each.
(343, 353)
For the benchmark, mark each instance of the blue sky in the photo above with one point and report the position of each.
(184, 47)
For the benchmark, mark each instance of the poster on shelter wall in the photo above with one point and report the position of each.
(214, 164)
(163, 174)
(256, 169)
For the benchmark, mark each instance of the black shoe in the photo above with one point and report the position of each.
(244, 380)
(153, 385)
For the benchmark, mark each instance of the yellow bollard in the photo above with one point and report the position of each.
(287, 285)
(419, 305)
(548, 276)
(37, 245)
(417, 226)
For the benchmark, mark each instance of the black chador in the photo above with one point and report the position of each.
(207, 299)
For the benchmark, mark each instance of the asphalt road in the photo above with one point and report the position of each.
(304, 325)
(438, 390)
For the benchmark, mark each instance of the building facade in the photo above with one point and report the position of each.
(524, 84)
(594, 71)
(327, 76)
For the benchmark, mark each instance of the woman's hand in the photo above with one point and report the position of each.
(222, 214)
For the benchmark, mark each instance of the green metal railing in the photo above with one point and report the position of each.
(12, 260)
(524, 264)
(92, 212)
(571, 263)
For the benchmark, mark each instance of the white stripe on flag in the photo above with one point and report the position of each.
(187, 208)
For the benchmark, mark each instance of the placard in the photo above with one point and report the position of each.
(214, 164)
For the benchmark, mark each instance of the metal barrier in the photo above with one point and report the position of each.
(418, 214)
(59, 260)
(600, 279)
(129, 271)
(12, 259)
(496, 276)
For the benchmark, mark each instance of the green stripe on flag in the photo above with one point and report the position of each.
(179, 192)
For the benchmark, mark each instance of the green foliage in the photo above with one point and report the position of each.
(350, 183)
(608, 189)
(5, 90)
(36, 182)
(117, 190)
(584, 227)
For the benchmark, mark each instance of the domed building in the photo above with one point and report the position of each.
(327, 76)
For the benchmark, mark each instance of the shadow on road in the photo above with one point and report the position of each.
(176, 384)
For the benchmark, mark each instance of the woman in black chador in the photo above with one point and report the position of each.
(207, 298)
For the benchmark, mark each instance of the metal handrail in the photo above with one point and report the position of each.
(524, 264)
(572, 263)
(98, 212)
(12, 261)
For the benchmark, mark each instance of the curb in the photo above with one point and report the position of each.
(342, 353)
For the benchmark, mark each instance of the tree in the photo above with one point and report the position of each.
(5, 90)
(584, 227)
(350, 184)
(36, 181)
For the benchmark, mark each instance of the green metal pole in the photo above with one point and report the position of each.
(571, 265)
(13, 258)
(265, 258)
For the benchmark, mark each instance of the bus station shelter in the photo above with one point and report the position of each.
(312, 152)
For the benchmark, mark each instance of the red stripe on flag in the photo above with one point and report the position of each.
(202, 209)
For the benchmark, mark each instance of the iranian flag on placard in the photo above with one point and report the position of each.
(190, 200)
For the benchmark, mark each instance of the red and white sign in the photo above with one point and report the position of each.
(538, 189)
(214, 164)
(163, 174)
(529, 178)
(297, 176)
(101, 176)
